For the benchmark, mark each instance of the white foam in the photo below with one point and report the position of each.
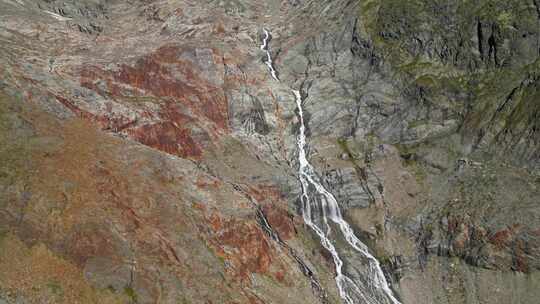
(269, 63)
(57, 17)
(330, 210)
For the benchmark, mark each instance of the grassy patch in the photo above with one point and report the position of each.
(14, 142)
(130, 292)
(56, 288)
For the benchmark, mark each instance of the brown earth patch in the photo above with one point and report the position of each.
(40, 276)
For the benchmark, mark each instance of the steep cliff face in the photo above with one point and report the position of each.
(148, 156)
(468, 130)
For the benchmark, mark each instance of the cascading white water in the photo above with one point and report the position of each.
(329, 208)
(376, 289)
(341, 279)
(269, 63)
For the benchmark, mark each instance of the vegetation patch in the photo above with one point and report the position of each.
(130, 292)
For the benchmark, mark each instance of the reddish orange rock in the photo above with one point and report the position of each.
(167, 137)
(280, 220)
(245, 247)
(188, 103)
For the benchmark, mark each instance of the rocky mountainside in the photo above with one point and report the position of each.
(148, 155)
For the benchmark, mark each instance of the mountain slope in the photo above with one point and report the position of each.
(148, 156)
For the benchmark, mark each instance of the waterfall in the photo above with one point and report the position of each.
(319, 206)
(265, 47)
(329, 209)
(304, 177)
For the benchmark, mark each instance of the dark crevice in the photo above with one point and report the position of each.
(492, 42)
(263, 222)
(483, 131)
(536, 4)
(480, 36)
